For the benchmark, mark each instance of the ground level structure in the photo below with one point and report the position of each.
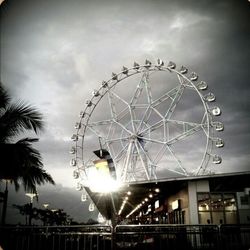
(212, 199)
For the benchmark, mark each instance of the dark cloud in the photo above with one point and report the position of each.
(54, 53)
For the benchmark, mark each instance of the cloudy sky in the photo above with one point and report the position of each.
(54, 53)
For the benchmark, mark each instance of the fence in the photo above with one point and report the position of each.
(146, 237)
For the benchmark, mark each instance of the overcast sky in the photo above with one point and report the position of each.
(54, 53)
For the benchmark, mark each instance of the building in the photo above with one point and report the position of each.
(212, 199)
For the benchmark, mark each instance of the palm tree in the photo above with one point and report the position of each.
(20, 162)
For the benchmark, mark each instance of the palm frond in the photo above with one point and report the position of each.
(17, 118)
(24, 164)
(33, 176)
(4, 98)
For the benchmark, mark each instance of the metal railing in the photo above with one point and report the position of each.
(56, 238)
(146, 237)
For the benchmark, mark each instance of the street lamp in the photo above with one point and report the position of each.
(31, 195)
(46, 205)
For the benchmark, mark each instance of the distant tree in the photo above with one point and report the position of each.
(92, 222)
(20, 162)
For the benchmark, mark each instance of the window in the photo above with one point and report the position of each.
(217, 208)
(244, 200)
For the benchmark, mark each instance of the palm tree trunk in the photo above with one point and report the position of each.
(5, 201)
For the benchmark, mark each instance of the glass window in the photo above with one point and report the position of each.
(244, 200)
(231, 218)
(216, 202)
(218, 217)
(217, 208)
(203, 202)
(204, 218)
(230, 202)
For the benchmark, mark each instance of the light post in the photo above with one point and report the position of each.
(46, 214)
(31, 195)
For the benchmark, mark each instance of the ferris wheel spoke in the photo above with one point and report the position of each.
(148, 89)
(100, 123)
(117, 139)
(169, 95)
(145, 153)
(116, 157)
(151, 140)
(127, 160)
(96, 132)
(118, 97)
(132, 118)
(185, 124)
(123, 114)
(145, 117)
(160, 153)
(174, 102)
(184, 135)
(153, 127)
(139, 88)
(112, 106)
(177, 160)
(142, 160)
(176, 171)
(123, 127)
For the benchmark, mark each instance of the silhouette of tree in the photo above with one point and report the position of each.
(20, 162)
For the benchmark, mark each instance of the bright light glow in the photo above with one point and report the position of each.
(129, 193)
(175, 204)
(45, 205)
(157, 190)
(157, 204)
(100, 218)
(31, 195)
(100, 181)
(150, 196)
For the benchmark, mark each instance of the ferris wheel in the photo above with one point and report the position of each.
(147, 122)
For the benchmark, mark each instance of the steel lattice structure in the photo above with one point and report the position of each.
(146, 127)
